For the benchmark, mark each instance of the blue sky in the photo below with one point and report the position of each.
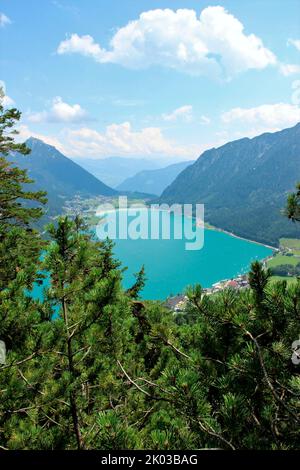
(158, 79)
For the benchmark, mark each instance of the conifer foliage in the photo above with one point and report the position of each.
(92, 366)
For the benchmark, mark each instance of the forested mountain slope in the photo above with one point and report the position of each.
(58, 175)
(244, 184)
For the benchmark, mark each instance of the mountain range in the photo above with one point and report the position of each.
(114, 170)
(153, 181)
(244, 185)
(58, 175)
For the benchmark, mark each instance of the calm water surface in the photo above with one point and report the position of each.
(170, 268)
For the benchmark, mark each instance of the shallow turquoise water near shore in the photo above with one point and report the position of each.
(170, 268)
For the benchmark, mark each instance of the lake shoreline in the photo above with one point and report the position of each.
(218, 229)
(223, 257)
(201, 223)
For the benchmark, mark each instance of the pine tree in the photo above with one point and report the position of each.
(91, 366)
(292, 210)
(90, 333)
(139, 284)
(18, 241)
(20, 249)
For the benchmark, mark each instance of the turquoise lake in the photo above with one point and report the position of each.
(170, 268)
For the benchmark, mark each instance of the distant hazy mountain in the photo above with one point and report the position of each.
(114, 170)
(58, 175)
(153, 181)
(244, 185)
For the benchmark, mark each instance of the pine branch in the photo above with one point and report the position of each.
(267, 378)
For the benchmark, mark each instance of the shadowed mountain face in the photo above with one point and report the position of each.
(58, 175)
(244, 185)
(153, 181)
(51, 168)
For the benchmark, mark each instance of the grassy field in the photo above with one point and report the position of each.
(293, 247)
(291, 243)
(282, 259)
(289, 280)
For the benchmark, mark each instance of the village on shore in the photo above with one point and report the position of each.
(178, 302)
(287, 255)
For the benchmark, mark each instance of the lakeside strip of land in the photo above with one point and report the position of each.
(218, 229)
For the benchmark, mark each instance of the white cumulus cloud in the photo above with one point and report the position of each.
(84, 45)
(122, 139)
(184, 113)
(4, 20)
(213, 44)
(60, 112)
(24, 132)
(289, 69)
(6, 100)
(115, 139)
(263, 118)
